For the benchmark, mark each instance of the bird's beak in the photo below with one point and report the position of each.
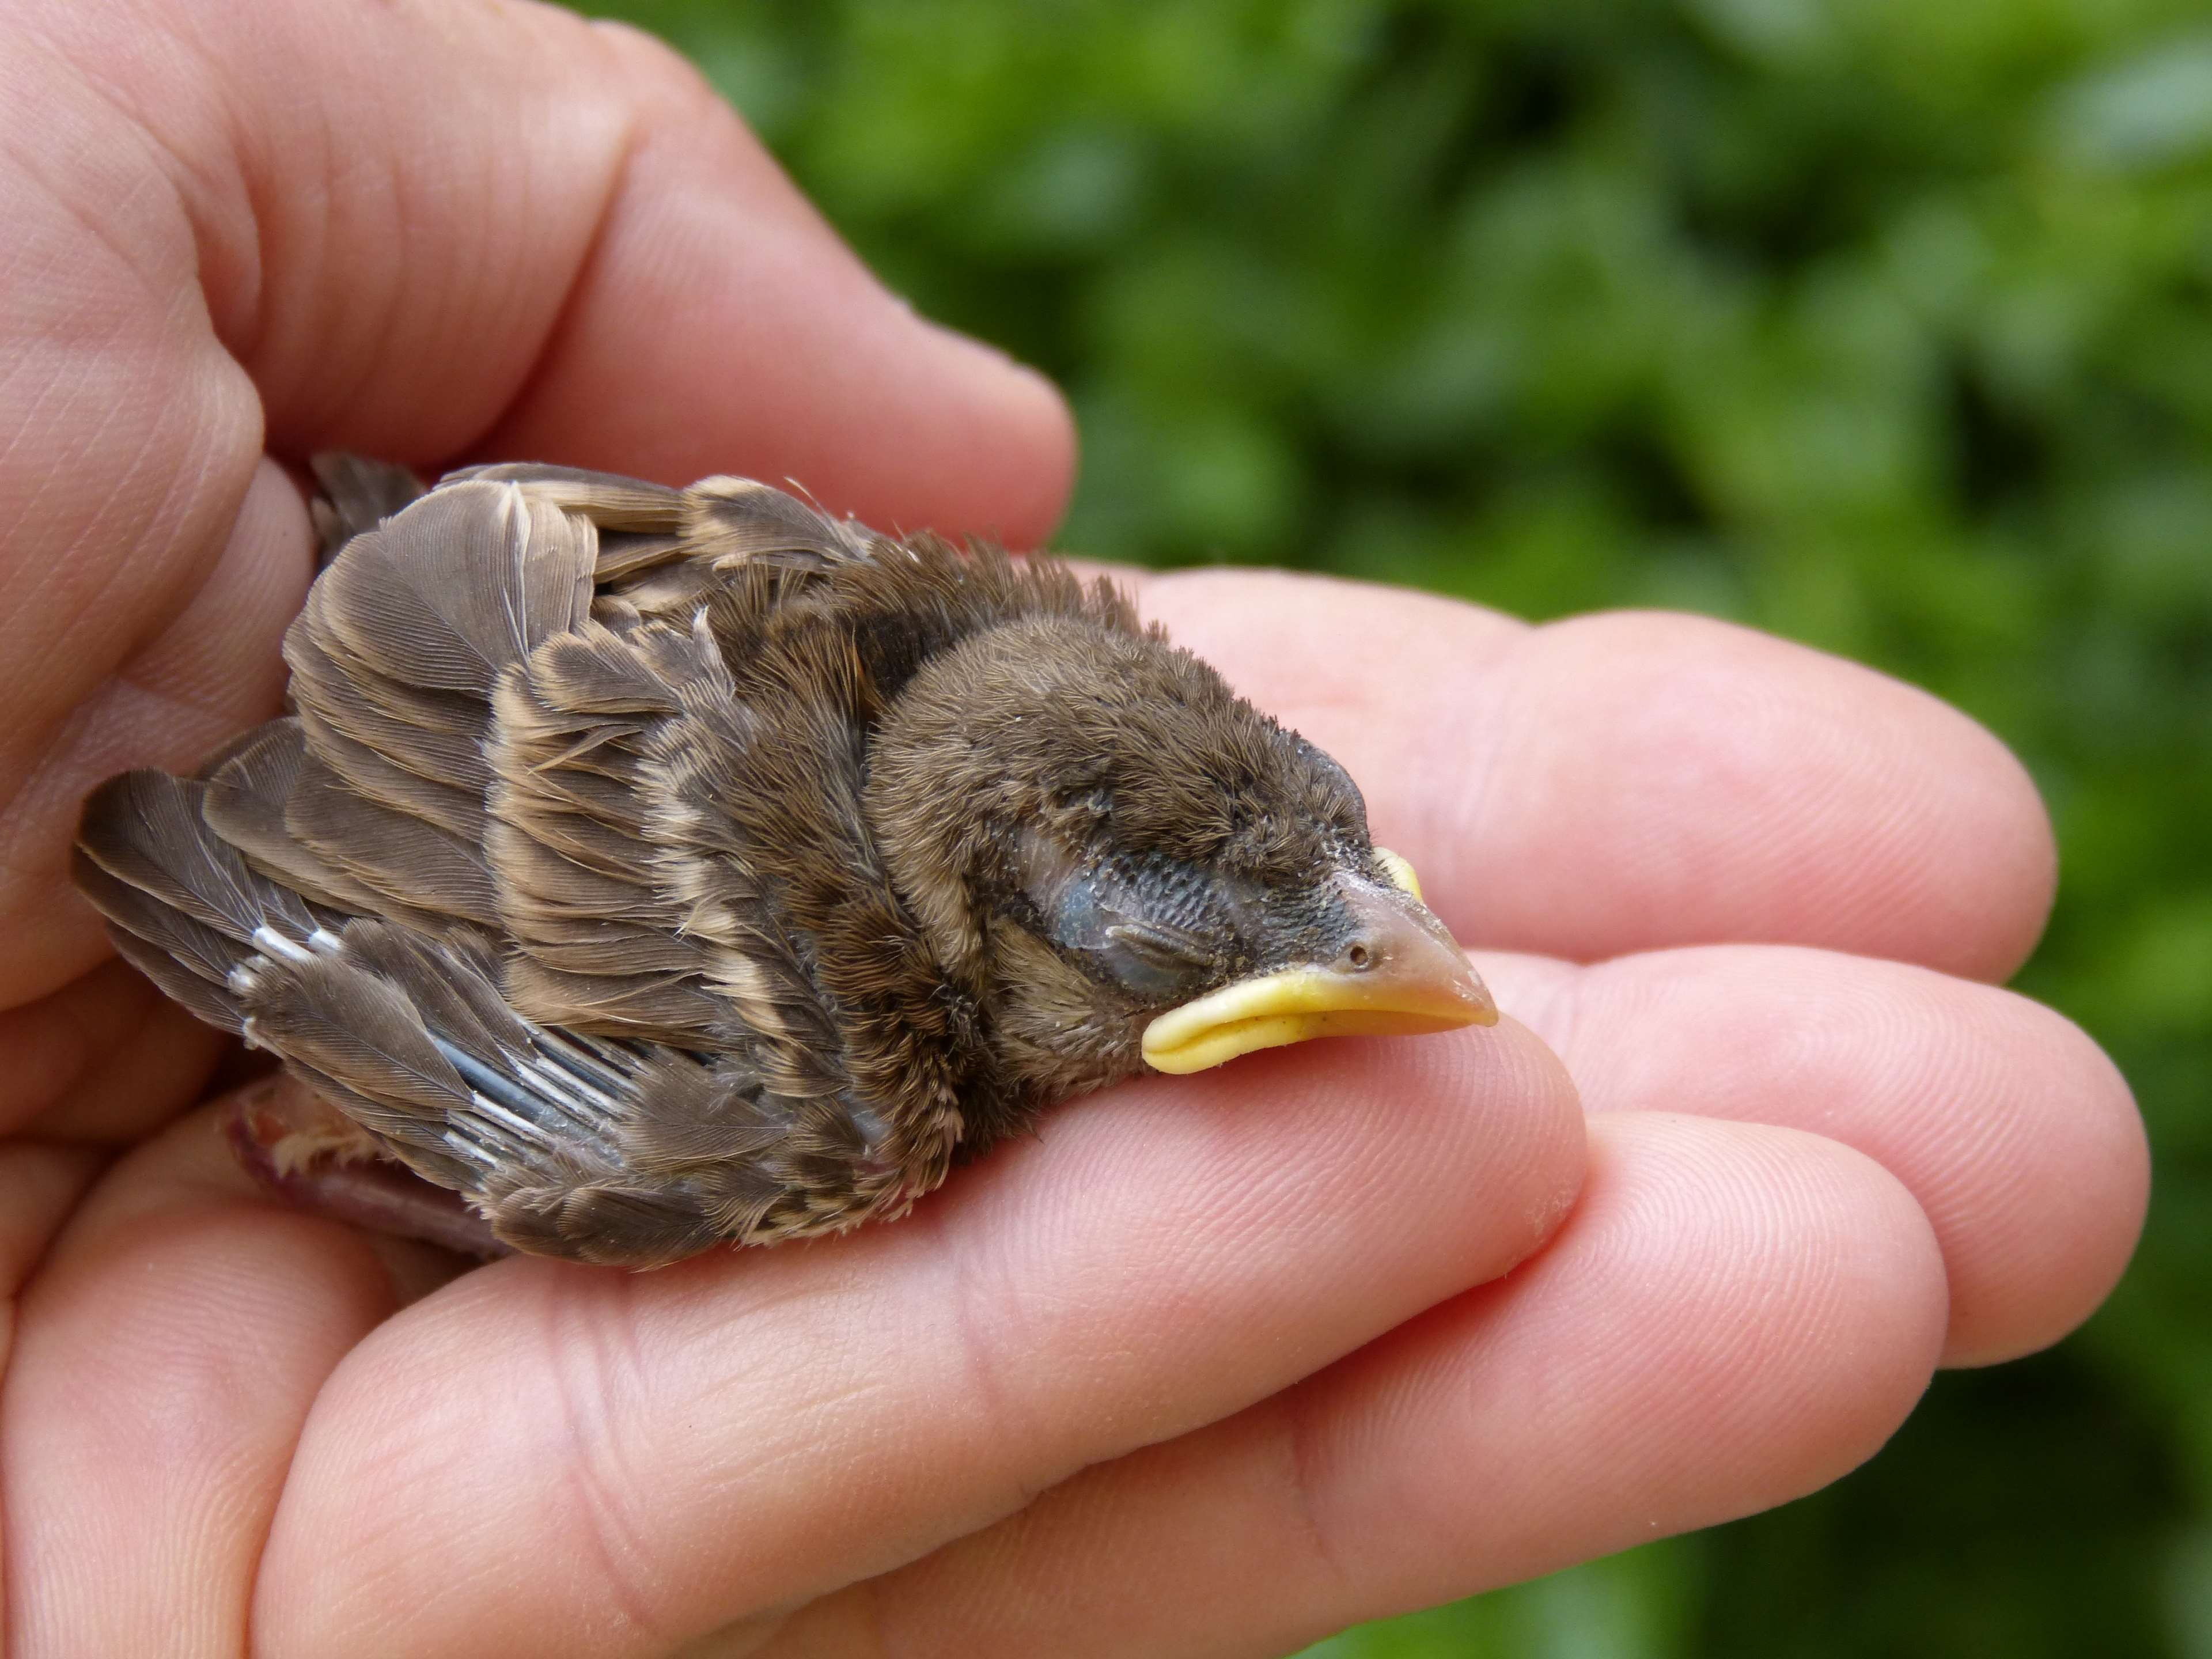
(1402, 974)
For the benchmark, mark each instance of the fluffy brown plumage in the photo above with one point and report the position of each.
(655, 868)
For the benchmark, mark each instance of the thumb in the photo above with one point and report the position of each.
(423, 231)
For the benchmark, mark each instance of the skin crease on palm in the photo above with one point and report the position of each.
(1216, 1364)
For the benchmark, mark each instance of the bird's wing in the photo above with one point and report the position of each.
(603, 1151)
(479, 890)
(490, 724)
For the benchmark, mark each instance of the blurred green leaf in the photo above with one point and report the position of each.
(2151, 111)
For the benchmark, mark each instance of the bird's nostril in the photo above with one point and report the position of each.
(1357, 958)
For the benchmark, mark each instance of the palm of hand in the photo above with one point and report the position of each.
(1220, 1362)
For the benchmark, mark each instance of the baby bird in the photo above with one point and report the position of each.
(658, 867)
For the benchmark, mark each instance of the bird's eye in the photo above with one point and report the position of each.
(1130, 925)
(1155, 960)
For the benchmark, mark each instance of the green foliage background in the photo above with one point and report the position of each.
(1883, 324)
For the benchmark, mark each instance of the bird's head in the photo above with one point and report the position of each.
(1138, 868)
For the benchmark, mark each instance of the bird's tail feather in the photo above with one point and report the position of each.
(180, 902)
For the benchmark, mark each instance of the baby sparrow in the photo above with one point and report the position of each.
(658, 867)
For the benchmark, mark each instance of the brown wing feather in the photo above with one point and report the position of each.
(188, 960)
(463, 583)
(394, 660)
(357, 494)
(145, 829)
(247, 804)
(609, 873)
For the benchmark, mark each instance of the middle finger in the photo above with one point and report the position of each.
(2017, 1136)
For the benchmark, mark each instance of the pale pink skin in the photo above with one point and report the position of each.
(1215, 1365)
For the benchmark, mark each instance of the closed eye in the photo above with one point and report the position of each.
(1171, 947)
(1153, 925)
(1154, 960)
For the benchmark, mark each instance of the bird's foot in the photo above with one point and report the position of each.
(298, 1146)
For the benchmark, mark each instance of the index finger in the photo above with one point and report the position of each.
(1630, 781)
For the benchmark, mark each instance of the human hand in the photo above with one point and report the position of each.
(1215, 1365)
